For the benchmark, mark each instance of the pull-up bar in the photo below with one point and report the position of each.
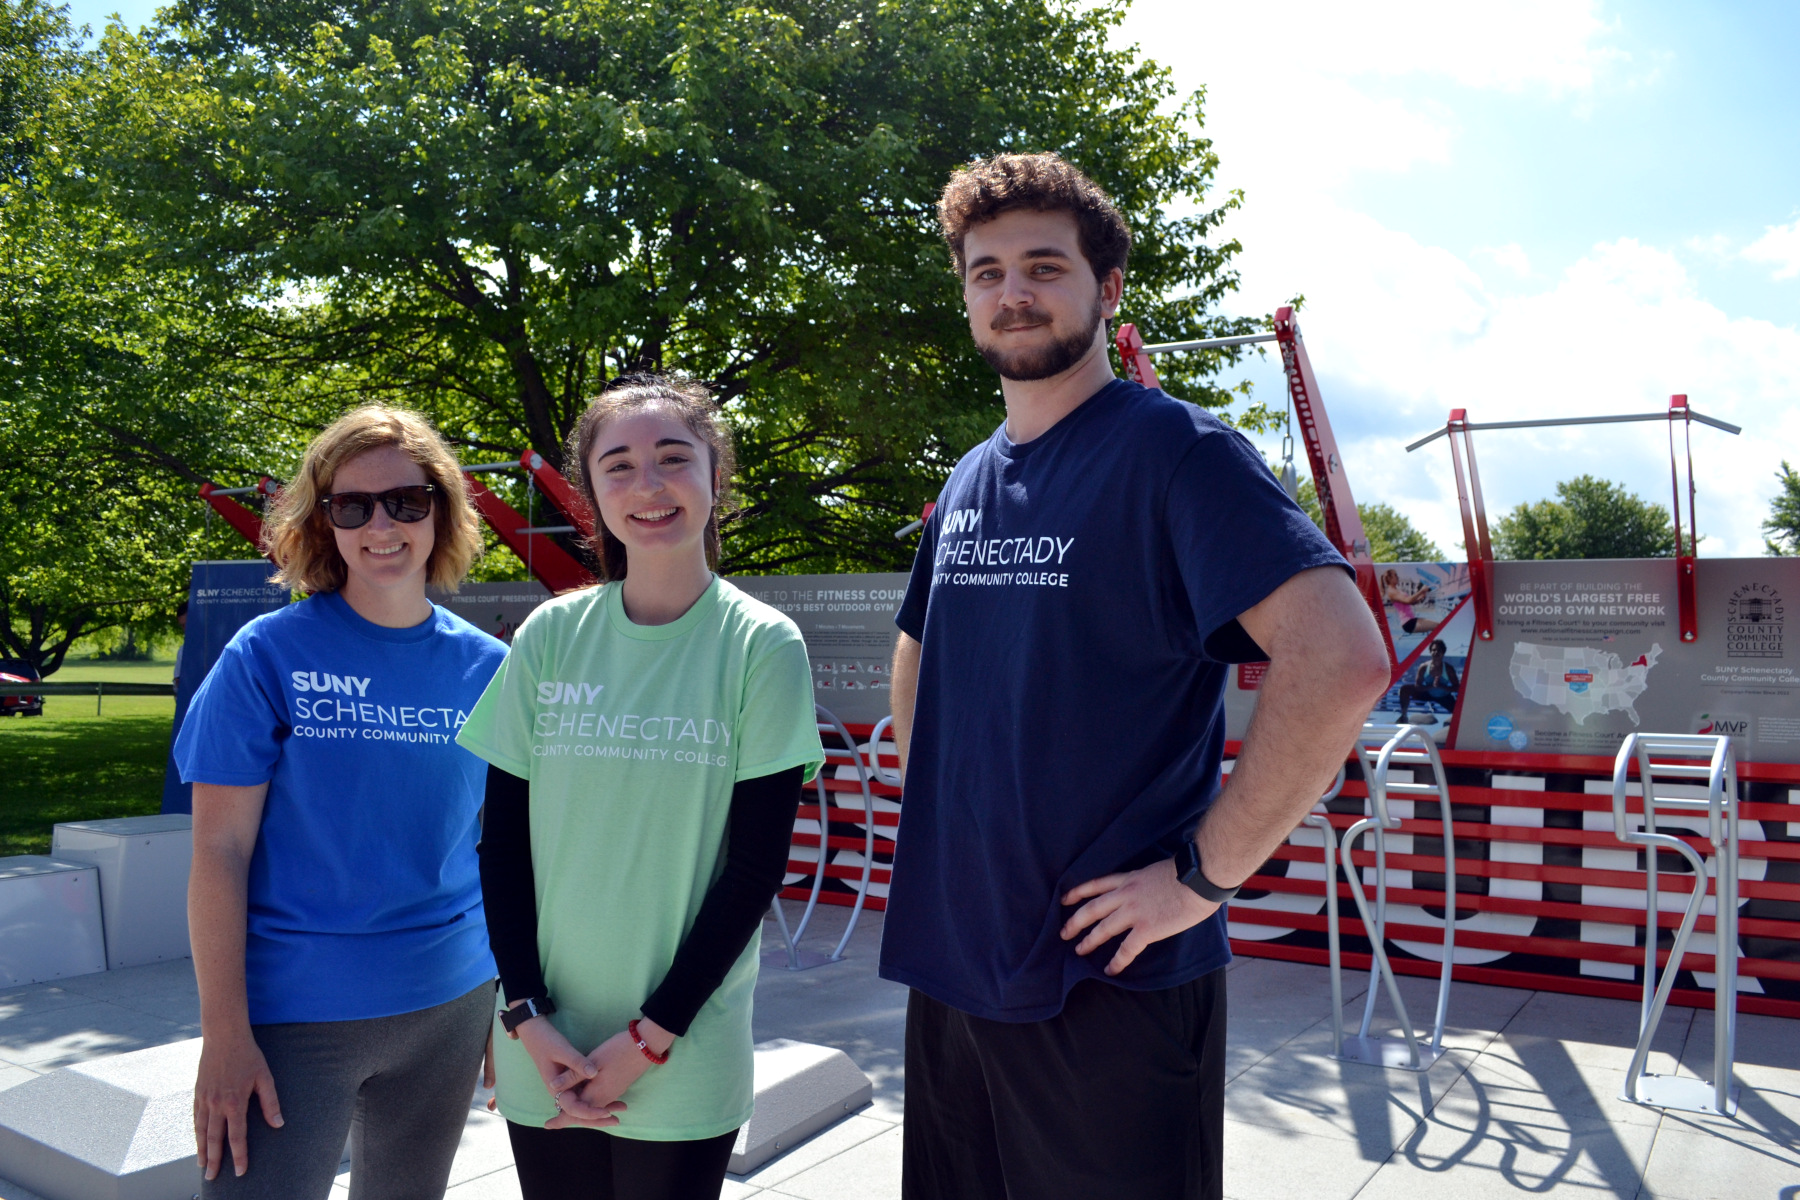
(1458, 429)
(1472, 426)
(1223, 343)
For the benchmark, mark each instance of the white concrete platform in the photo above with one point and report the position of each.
(50, 925)
(1523, 1106)
(120, 1127)
(143, 864)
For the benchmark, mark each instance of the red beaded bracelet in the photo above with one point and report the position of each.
(642, 1045)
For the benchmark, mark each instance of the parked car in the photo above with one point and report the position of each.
(15, 670)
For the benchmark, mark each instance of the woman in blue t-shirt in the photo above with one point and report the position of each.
(340, 943)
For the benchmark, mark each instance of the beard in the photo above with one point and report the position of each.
(1042, 362)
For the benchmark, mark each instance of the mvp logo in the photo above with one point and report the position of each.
(1735, 725)
(963, 520)
(554, 692)
(319, 681)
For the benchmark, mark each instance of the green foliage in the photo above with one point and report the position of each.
(1783, 525)
(1392, 537)
(1590, 518)
(103, 414)
(486, 210)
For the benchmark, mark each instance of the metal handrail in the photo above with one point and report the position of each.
(828, 723)
(1721, 808)
(1376, 765)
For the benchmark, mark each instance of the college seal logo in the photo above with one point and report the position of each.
(1755, 622)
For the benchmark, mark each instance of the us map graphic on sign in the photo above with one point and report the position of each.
(1581, 681)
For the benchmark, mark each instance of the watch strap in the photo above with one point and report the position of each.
(1188, 870)
(516, 1015)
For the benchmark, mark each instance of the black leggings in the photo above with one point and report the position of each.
(591, 1164)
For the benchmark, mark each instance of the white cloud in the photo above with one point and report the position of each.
(1549, 45)
(1511, 257)
(1305, 99)
(1400, 333)
(1780, 246)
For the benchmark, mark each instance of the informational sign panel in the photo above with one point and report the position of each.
(496, 608)
(1426, 605)
(1586, 652)
(848, 623)
(1583, 653)
(223, 597)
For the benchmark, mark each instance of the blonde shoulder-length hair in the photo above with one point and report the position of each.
(298, 536)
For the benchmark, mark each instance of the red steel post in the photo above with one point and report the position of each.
(1131, 354)
(1474, 522)
(1343, 525)
(247, 523)
(1687, 606)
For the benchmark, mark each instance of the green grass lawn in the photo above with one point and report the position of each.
(69, 765)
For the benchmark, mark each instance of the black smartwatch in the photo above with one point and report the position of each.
(1187, 869)
(518, 1014)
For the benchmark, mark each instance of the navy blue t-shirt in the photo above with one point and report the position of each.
(1077, 600)
(364, 891)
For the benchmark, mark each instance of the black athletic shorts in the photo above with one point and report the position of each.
(1121, 1095)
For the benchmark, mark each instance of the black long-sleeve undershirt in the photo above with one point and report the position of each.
(758, 831)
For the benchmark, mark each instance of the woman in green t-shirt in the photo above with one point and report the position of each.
(647, 742)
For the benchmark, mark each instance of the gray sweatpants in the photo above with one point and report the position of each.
(399, 1086)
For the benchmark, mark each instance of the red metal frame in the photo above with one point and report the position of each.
(247, 523)
(1687, 606)
(553, 566)
(1474, 521)
(1480, 550)
(1343, 524)
(550, 481)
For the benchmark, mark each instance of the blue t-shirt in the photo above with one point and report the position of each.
(1077, 598)
(365, 895)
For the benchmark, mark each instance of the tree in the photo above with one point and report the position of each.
(104, 421)
(1590, 518)
(1783, 525)
(1392, 537)
(488, 210)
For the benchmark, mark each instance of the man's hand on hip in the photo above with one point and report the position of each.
(1146, 905)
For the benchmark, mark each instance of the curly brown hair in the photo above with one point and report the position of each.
(693, 405)
(298, 536)
(987, 187)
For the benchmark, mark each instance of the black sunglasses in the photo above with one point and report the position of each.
(353, 510)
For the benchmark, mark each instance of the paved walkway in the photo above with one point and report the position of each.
(1524, 1104)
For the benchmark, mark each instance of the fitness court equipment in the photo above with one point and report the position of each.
(1320, 819)
(851, 755)
(534, 544)
(1697, 757)
(1459, 430)
(1392, 741)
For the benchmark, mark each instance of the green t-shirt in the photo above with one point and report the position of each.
(632, 737)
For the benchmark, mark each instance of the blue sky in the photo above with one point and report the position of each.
(1524, 208)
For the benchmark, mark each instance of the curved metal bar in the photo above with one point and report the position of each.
(1375, 929)
(1320, 819)
(1441, 783)
(862, 776)
(812, 902)
(1393, 740)
(887, 775)
(1721, 809)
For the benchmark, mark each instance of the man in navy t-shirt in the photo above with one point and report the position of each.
(1061, 862)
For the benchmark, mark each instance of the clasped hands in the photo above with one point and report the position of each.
(1146, 905)
(587, 1087)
